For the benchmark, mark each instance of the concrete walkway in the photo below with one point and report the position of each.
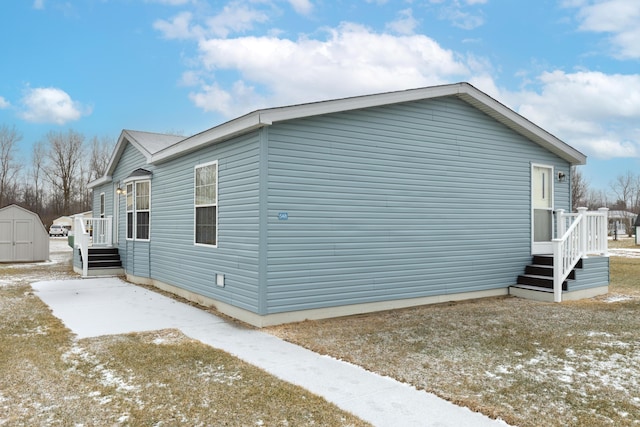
(95, 307)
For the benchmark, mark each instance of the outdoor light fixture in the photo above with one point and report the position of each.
(120, 191)
(561, 176)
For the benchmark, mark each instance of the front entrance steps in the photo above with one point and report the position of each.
(104, 262)
(537, 281)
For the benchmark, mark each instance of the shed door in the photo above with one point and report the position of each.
(542, 209)
(16, 240)
(23, 237)
(6, 240)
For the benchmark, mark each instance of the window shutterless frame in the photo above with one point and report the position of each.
(138, 221)
(205, 204)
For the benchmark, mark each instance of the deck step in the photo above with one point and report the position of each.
(545, 270)
(103, 258)
(539, 274)
(539, 281)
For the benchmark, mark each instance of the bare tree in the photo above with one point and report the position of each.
(9, 137)
(100, 156)
(579, 189)
(624, 187)
(64, 156)
(596, 199)
(37, 170)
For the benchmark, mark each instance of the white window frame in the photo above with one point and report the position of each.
(196, 206)
(131, 195)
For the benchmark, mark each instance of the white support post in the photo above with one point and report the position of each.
(557, 270)
(603, 231)
(561, 225)
(583, 232)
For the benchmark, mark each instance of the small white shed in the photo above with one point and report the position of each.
(23, 237)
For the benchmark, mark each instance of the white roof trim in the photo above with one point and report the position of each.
(464, 91)
(267, 117)
(226, 130)
(102, 180)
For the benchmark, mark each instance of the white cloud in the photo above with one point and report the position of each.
(38, 4)
(170, 2)
(404, 24)
(179, 27)
(4, 103)
(620, 18)
(51, 105)
(459, 14)
(235, 17)
(303, 7)
(592, 111)
(351, 60)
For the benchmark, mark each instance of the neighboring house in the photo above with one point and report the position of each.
(344, 206)
(23, 237)
(621, 223)
(81, 216)
(65, 221)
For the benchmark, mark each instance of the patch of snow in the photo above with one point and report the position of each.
(591, 334)
(217, 375)
(617, 298)
(625, 253)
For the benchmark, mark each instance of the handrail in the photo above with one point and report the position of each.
(91, 231)
(81, 240)
(586, 235)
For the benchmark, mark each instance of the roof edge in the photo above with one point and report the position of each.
(462, 90)
(227, 130)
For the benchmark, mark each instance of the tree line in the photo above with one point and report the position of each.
(623, 193)
(54, 183)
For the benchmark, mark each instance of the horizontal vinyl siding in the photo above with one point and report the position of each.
(176, 260)
(594, 273)
(133, 254)
(403, 201)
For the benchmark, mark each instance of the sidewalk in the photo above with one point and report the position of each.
(106, 306)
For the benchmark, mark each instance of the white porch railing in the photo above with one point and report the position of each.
(91, 232)
(579, 235)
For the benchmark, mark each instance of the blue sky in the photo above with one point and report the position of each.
(100, 66)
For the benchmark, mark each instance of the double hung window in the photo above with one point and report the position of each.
(206, 204)
(138, 210)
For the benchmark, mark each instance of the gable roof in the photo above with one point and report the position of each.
(159, 148)
(148, 143)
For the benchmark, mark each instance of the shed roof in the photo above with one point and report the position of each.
(158, 148)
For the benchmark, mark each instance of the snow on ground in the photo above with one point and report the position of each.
(627, 253)
(59, 252)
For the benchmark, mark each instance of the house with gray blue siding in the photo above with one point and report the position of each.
(349, 206)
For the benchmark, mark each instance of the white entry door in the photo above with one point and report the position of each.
(542, 209)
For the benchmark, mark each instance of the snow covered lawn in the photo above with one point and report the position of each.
(526, 362)
(159, 378)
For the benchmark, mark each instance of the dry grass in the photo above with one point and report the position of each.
(48, 378)
(623, 243)
(526, 362)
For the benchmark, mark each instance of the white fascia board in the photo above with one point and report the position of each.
(96, 182)
(125, 137)
(269, 116)
(520, 124)
(463, 90)
(358, 102)
(224, 131)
